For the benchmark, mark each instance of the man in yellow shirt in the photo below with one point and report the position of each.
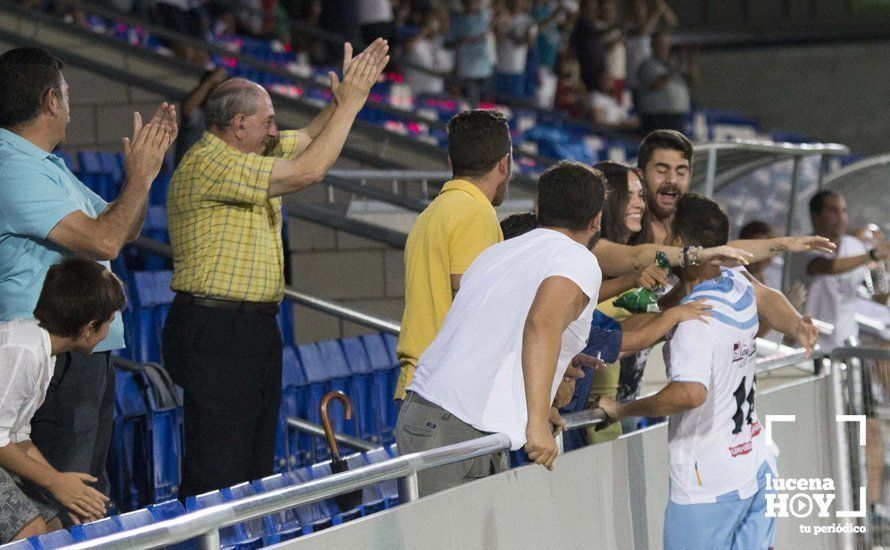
(455, 228)
(221, 342)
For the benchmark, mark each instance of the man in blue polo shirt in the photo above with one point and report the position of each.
(47, 214)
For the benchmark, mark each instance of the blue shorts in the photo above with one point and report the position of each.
(739, 524)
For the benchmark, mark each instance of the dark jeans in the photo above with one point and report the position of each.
(228, 362)
(73, 426)
(423, 425)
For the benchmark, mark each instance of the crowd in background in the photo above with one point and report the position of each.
(609, 62)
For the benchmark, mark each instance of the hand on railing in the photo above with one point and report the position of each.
(540, 444)
(610, 411)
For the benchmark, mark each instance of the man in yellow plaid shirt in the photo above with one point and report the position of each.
(221, 342)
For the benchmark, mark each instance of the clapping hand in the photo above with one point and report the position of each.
(144, 152)
(359, 73)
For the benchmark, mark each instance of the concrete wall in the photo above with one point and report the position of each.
(608, 496)
(356, 272)
(831, 92)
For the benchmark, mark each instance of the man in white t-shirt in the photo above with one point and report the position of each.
(832, 280)
(78, 301)
(522, 313)
(718, 456)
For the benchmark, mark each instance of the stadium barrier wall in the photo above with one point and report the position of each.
(610, 495)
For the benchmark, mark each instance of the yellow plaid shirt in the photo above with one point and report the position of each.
(224, 228)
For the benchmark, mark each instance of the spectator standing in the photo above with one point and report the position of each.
(550, 16)
(664, 89)
(427, 51)
(468, 35)
(642, 22)
(184, 17)
(523, 313)
(453, 230)
(515, 31)
(46, 214)
(221, 341)
(832, 280)
(192, 111)
(591, 41)
(375, 18)
(765, 270)
(606, 111)
(615, 61)
(74, 312)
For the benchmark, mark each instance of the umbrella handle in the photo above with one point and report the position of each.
(326, 422)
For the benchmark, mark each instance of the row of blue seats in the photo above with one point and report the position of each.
(257, 533)
(148, 438)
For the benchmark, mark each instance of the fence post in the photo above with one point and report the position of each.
(841, 448)
(408, 489)
(209, 540)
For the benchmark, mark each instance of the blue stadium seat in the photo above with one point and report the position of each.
(155, 227)
(325, 371)
(95, 176)
(313, 516)
(283, 525)
(389, 490)
(166, 510)
(113, 163)
(165, 424)
(251, 530)
(294, 402)
(95, 529)
(232, 537)
(128, 458)
(56, 539)
(382, 358)
(134, 519)
(361, 390)
(169, 510)
(152, 299)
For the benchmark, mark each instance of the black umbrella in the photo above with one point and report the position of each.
(347, 501)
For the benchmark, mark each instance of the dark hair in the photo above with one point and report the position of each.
(77, 292)
(617, 196)
(477, 141)
(700, 221)
(755, 230)
(817, 203)
(570, 195)
(518, 224)
(26, 74)
(663, 139)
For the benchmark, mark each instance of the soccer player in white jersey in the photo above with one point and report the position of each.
(718, 455)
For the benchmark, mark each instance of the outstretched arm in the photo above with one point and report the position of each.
(774, 308)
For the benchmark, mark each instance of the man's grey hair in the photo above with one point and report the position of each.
(236, 96)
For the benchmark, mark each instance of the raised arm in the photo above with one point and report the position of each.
(619, 259)
(836, 266)
(103, 237)
(558, 302)
(763, 249)
(311, 165)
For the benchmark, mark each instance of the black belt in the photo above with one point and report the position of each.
(267, 308)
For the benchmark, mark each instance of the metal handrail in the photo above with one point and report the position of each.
(313, 302)
(303, 425)
(205, 524)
